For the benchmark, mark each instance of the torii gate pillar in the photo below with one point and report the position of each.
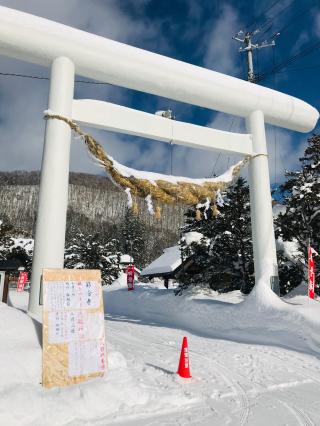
(53, 193)
(264, 246)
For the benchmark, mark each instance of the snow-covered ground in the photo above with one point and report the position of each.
(254, 361)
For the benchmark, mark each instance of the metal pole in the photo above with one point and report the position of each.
(248, 44)
(53, 193)
(264, 246)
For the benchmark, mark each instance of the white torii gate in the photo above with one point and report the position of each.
(68, 51)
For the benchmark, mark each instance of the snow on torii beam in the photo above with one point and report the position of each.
(116, 118)
(37, 40)
(68, 51)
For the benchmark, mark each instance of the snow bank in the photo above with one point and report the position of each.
(25, 402)
(261, 317)
(140, 382)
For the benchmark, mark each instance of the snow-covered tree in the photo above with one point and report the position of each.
(14, 246)
(290, 272)
(5, 234)
(301, 219)
(132, 237)
(92, 252)
(223, 259)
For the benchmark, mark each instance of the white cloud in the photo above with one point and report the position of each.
(221, 54)
(22, 101)
(301, 40)
(317, 23)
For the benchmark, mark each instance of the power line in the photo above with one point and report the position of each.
(270, 21)
(37, 77)
(313, 67)
(309, 48)
(274, 127)
(214, 166)
(262, 14)
(216, 162)
(296, 17)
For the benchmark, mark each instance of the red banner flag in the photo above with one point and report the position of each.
(130, 277)
(311, 274)
(23, 278)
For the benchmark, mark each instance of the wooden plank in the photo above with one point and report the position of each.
(73, 327)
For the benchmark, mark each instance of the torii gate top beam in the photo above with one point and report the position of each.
(37, 40)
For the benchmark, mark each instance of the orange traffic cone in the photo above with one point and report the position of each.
(184, 364)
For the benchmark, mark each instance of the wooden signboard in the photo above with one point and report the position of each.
(73, 327)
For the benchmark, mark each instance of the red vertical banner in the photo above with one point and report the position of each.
(130, 277)
(23, 278)
(311, 274)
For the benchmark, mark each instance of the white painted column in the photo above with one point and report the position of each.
(53, 194)
(264, 247)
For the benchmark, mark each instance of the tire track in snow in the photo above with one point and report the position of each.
(234, 384)
(218, 369)
(300, 415)
(240, 394)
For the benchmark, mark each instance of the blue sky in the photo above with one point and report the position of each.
(198, 32)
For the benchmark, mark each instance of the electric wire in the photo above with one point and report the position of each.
(312, 67)
(262, 14)
(309, 48)
(270, 21)
(295, 18)
(37, 77)
(214, 166)
(216, 162)
(274, 127)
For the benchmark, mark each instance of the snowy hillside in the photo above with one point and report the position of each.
(253, 361)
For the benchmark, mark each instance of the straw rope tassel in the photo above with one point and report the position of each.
(215, 210)
(162, 190)
(135, 208)
(198, 215)
(157, 214)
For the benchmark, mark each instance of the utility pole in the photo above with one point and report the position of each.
(264, 246)
(249, 47)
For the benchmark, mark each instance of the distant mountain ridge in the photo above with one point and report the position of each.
(95, 204)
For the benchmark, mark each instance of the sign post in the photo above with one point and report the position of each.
(73, 327)
(2, 281)
(23, 278)
(311, 274)
(130, 277)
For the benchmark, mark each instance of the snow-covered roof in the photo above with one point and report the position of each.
(168, 262)
(126, 258)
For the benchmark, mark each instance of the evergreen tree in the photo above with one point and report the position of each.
(290, 272)
(92, 252)
(132, 237)
(223, 260)
(6, 230)
(301, 220)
